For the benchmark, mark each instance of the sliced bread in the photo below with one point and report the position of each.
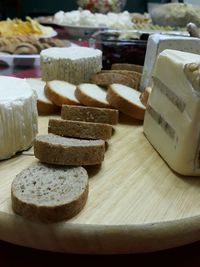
(80, 129)
(127, 100)
(92, 95)
(49, 193)
(61, 92)
(44, 105)
(105, 79)
(126, 66)
(60, 150)
(90, 114)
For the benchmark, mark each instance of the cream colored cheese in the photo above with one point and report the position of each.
(18, 116)
(172, 123)
(158, 43)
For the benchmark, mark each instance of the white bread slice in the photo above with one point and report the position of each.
(44, 105)
(90, 114)
(54, 149)
(80, 129)
(61, 92)
(92, 95)
(49, 193)
(127, 100)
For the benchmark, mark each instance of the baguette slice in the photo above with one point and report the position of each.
(105, 79)
(127, 100)
(61, 92)
(49, 193)
(80, 129)
(60, 150)
(90, 114)
(92, 95)
(44, 105)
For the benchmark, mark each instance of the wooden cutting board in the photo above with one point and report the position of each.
(136, 203)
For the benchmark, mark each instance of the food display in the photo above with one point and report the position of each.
(19, 116)
(74, 64)
(171, 121)
(159, 42)
(176, 14)
(120, 46)
(102, 6)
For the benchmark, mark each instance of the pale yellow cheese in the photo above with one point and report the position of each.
(18, 116)
(172, 119)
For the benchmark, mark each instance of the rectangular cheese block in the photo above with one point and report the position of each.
(159, 42)
(172, 118)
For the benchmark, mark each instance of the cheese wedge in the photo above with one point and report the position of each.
(18, 116)
(172, 118)
(159, 42)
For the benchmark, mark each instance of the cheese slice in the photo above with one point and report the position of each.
(159, 42)
(18, 116)
(72, 64)
(171, 122)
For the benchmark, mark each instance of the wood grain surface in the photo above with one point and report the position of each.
(136, 202)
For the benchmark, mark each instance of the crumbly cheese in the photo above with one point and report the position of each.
(18, 116)
(159, 42)
(72, 64)
(171, 122)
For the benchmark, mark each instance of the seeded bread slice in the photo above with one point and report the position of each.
(90, 114)
(105, 79)
(92, 95)
(49, 193)
(127, 100)
(44, 105)
(60, 150)
(61, 92)
(125, 66)
(80, 129)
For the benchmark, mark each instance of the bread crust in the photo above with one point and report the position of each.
(56, 98)
(90, 114)
(124, 105)
(76, 155)
(45, 108)
(54, 211)
(88, 100)
(105, 79)
(79, 129)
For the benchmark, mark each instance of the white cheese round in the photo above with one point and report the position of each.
(18, 116)
(72, 64)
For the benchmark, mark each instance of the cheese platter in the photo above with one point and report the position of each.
(136, 202)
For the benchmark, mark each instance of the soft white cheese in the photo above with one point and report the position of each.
(18, 116)
(171, 122)
(159, 42)
(72, 64)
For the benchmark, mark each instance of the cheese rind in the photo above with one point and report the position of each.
(171, 122)
(156, 44)
(18, 116)
(72, 64)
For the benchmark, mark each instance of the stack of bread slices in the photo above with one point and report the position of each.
(117, 88)
(56, 188)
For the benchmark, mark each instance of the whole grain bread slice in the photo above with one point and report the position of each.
(80, 129)
(105, 79)
(127, 100)
(90, 114)
(49, 193)
(92, 95)
(126, 66)
(61, 92)
(60, 150)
